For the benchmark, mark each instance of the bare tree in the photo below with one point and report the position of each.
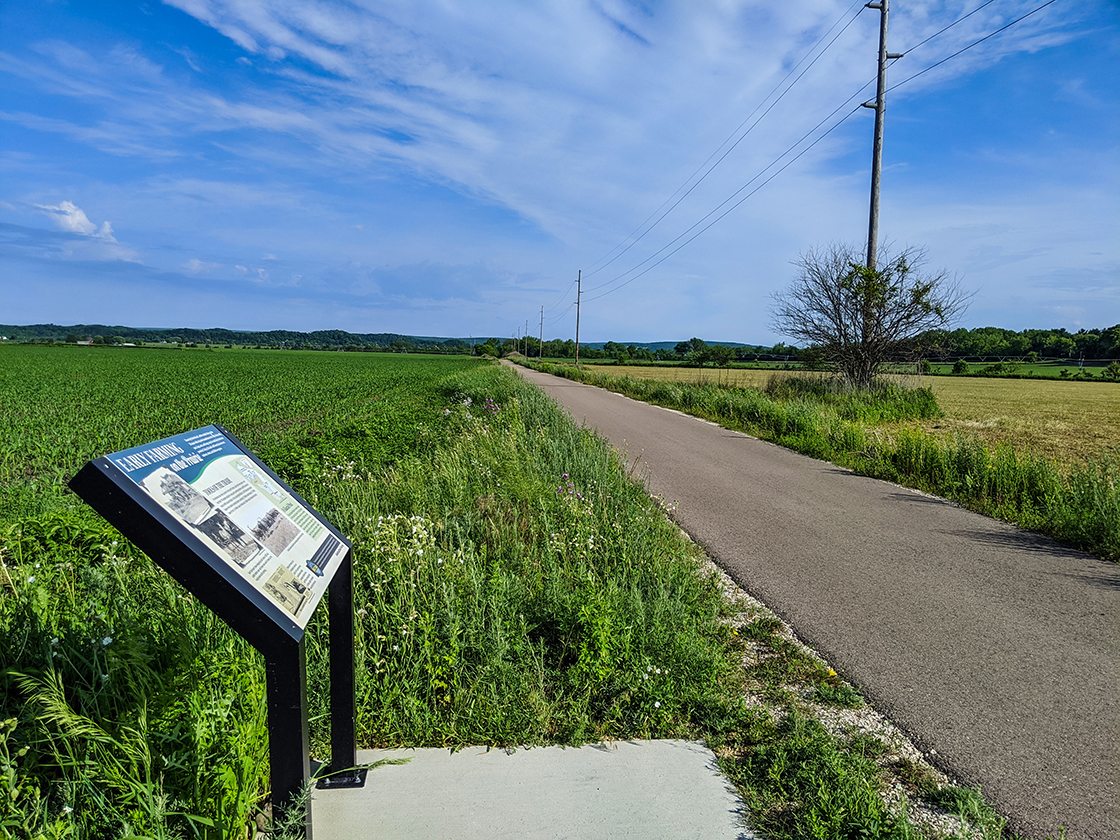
(859, 316)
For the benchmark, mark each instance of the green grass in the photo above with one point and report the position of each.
(1031, 370)
(802, 782)
(513, 585)
(519, 588)
(1079, 505)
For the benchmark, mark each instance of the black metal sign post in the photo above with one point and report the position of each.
(343, 771)
(227, 528)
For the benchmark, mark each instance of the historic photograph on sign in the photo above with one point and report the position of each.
(194, 509)
(287, 590)
(275, 531)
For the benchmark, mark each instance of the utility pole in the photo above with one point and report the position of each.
(880, 107)
(579, 293)
(526, 338)
(540, 348)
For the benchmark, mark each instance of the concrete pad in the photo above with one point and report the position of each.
(629, 790)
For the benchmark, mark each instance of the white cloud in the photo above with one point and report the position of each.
(197, 266)
(91, 242)
(539, 133)
(69, 217)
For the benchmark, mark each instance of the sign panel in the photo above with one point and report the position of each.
(249, 520)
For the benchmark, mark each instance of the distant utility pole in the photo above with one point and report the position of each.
(526, 338)
(880, 107)
(579, 294)
(540, 348)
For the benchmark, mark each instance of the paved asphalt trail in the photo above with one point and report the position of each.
(996, 650)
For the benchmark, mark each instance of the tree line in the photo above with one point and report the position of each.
(695, 351)
(979, 343)
(992, 342)
(218, 337)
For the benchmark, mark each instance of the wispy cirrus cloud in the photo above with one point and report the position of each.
(449, 152)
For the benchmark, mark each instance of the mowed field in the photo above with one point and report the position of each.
(1064, 421)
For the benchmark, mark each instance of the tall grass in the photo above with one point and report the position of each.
(519, 588)
(134, 709)
(512, 586)
(1079, 506)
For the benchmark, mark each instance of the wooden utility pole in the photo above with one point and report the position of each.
(540, 349)
(880, 107)
(579, 293)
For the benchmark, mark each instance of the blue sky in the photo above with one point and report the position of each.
(445, 168)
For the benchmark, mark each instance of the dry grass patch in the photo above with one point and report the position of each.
(1067, 422)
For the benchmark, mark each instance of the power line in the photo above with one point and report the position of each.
(716, 209)
(799, 154)
(566, 291)
(1003, 28)
(560, 317)
(778, 172)
(725, 142)
(950, 26)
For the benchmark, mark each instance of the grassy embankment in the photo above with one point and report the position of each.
(901, 435)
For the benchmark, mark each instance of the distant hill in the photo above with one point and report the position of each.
(270, 338)
(220, 336)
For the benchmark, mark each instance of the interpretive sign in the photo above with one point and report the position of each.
(247, 546)
(247, 519)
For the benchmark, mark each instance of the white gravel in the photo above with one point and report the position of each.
(843, 723)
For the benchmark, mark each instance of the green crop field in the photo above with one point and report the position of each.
(66, 405)
(513, 585)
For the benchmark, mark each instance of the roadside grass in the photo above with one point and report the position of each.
(1078, 505)
(1066, 422)
(518, 588)
(815, 760)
